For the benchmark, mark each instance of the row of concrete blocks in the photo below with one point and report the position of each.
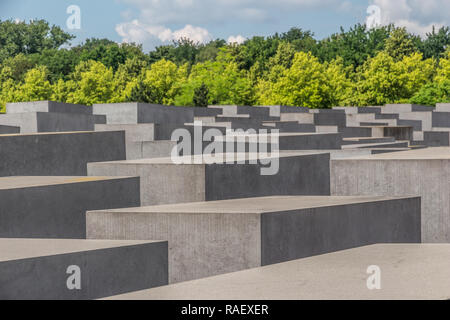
(205, 239)
(426, 121)
(56, 117)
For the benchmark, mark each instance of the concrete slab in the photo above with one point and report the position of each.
(133, 113)
(294, 140)
(443, 107)
(307, 118)
(423, 172)
(9, 129)
(401, 108)
(55, 207)
(441, 119)
(210, 238)
(133, 132)
(32, 122)
(164, 182)
(437, 138)
(37, 269)
(58, 154)
(276, 111)
(408, 272)
(47, 106)
(252, 112)
(397, 144)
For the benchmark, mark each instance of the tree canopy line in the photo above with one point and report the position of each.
(357, 67)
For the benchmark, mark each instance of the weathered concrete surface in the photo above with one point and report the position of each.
(293, 141)
(397, 144)
(424, 172)
(32, 269)
(150, 149)
(47, 106)
(276, 111)
(164, 182)
(402, 108)
(58, 154)
(133, 132)
(252, 112)
(210, 238)
(55, 207)
(134, 113)
(330, 118)
(441, 119)
(9, 129)
(32, 122)
(443, 107)
(437, 138)
(410, 272)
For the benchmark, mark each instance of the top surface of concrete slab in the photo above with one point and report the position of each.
(47, 106)
(438, 153)
(16, 249)
(46, 133)
(220, 158)
(407, 272)
(37, 181)
(254, 205)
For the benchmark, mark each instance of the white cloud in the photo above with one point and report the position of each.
(153, 24)
(152, 35)
(236, 39)
(417, 16)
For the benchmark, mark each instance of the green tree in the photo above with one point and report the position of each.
(354, 46)
(59, 62)
(432, 93)
(401, 44)
(226, 83)
(142, 92)
(166, 79)
(436, 43)
(305, 84)
(36, 86)
(383, 80)
(201, 96)
(29, 38)
(16, 68)
(94, 83)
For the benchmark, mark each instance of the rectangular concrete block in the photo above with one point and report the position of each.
(443, 107)
(58, 154)
(164, 182)
(210, 238)
(32, 122)
(9, 129)
(424, 172)
(330, 118)
(40, 269)
(441, 119)
(408, 272)
(293, 141)
(401, 108)
(307, 118)
(133, 113)
(47, 106)
(276, 111)
(55, 207)
(252, 112)
(133, 132)
(437, 138)
(398, 132)
(150, 149)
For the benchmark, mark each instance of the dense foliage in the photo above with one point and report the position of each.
(356, 67)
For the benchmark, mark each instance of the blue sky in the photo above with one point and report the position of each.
(154, 22)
